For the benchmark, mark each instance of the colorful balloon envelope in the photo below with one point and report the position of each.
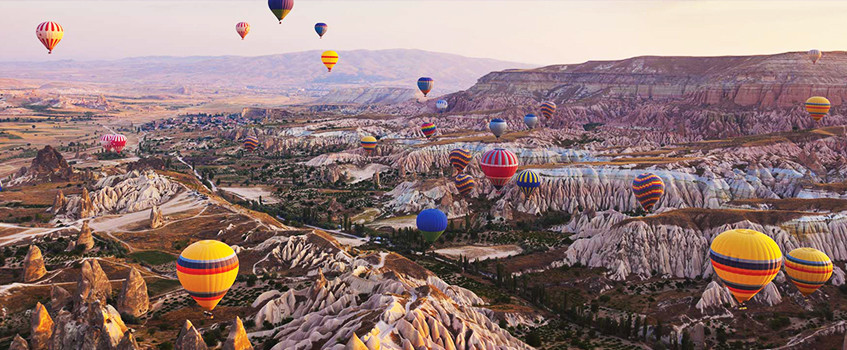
(118, 143)
(818, 107)
(528, 181)
(329, 59)
(431, 223)
(50, 34)
(814, 55)
(106, 141)
(441, 105)
(497, 126)
(251, 143)
(280, 8)
(548, 108)
(321, 29)
(425, 85)
(369, 144)
(530, 120)
(745, 260)
(499, 165)
(464, 183)
(206, 269)
(648, 189)
(242, 28)
(808, 269)
(459, 159)
(428, 129)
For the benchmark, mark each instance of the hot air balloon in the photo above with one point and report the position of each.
(242, 28)
(428, 129)
(441, 105)
(808, 269)
(548, 108)
(329, 58)
(118, 143)
(530, 120)
(745, 260)
(280, 8)
(50, 34)
(369, 144)
(464, 183)
(431, 223)
(425, 84)
(106, 142)
(250, 143)
(528, 181)
(497, 127)
(459, 159)
(814, 55)
(818, 107)
(499, 165)
(321, 28)
(648, 189)
(206, 269)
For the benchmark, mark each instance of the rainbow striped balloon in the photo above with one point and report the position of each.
(369, 144)
(528, 181)
(818, 107)
(499, 165)
(808, 269)
(207, 269)
(425, 85)
(280, 8)
(745, 260)
(648, 189)
(548, 108)
(459, 159)
(464, 183)
(250, 143)
(428, 129)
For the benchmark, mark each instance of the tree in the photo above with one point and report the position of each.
(658, 331)
(687, 344)
(533, 338)
(636, 327)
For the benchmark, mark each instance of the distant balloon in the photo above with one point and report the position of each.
(207, 269)
(251, 143)
(818, 107)
(50, 34)
(814, 55)
(431, 223)
(648, 189)
(425, 85)
(459, 159)
(321, 28)
(745, 260)
(118, 143)
(369, 144)
(428, 129)
(528, 181)
(808, 269)
(464, 183)
(499, 165)
(329, 58)
(242, 28)
(280, 8)
(530, 120)
(106, 142)
(441, 105)
(548, 108)
(497, 127)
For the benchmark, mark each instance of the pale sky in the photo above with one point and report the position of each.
(539, 32)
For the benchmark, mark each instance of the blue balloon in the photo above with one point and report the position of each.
(432, 223)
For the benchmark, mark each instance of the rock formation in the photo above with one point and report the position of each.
(355, 344)
(47, 166)
(133, 299)
(33, 265)
(59, 298)
(156, 219)
(237, 339)
(92, 285)
(189, 338)
(18, 343)
(85, 239)
(147, 163)
(94, 326)
(127, 193)
(59, 203)
(86, 207)
(128, 342)
(41, 328)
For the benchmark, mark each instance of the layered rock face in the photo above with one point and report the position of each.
(33, 265)
(133, 299)
(47, 166)
(127, 193)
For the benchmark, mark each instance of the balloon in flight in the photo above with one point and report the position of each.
(369, 144)
(50, 34)
(321, 29)
(242, 28)
(206, 269)
(530, 120)
(425, 85)
(527, 182)
(431, 223)
(329, 59)
(648, 189)
(106, 142)
(499, 165)
(428, 129)
(280, 8)
(251, 143)
(118, 143)
(745, 260)
(459, 159)
(814, 55)
(548, 108)
(441, 105)
(808, 269)
(497, 127)
(464, 183)
(818, 107)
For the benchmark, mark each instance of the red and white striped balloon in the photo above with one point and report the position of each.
(50, 34)
(106, 141)
(118, 143)
(242, 28)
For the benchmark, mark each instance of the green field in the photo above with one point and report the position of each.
(152, 257)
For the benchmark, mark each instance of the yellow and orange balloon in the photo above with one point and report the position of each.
(808, 269)
(207, 269)
(329, 59)
(745, 260)
(818, 107)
